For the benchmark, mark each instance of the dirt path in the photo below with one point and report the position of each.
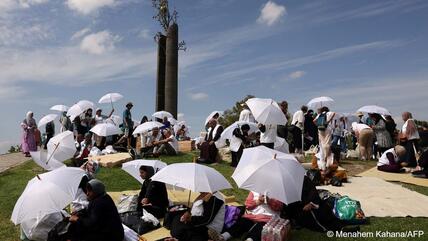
(11, 160)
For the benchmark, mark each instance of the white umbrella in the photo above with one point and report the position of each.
(41, 157)
(147, 126)
(110, 97)
(47, 193)
(78, 108)
(212, 114)
(281, 145)
(133, 167)
(115, 119)
(106, 129)
(61, 147)
(178, 126)
(162, 114)
(60, 108)
(272, 173)
(266, 111)
(319, 102)
(172, 120)
(228, 132)
(374, 109)
(46, 119)
(192, 176)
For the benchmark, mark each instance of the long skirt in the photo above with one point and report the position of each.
(28, 142)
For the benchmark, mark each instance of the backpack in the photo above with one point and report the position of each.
(322, 121)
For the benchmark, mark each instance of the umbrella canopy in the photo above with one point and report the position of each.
(179, 124)
(172, 120)
(106, 129)
(46, 119)
(192, 176)
(275, 174)
(133, 167)
(228, 132)
(78, 108)
(147, 126)
(110, 98)
(210, 116)
(61, 147)
(47, 193)
(60, 108)
(115, 120)
(266, 111)
(162, 114)
(41, 157)
(319, 102)
(374, 109)
(281, 145)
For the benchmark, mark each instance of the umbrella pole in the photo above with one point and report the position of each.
(188, 200)
(56, 147)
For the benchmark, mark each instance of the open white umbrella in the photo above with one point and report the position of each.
(275, 174)
(172, 120)
(41, 157)
(60, 108)
(192, 176)
(106, 129)
(374, 109)
(47, 193)
(133, 167)
(78, 108)
(319, 102)
(115, 120)
(61, 147)
(46, 119)
(266, 111)
(162, 114)
(180, 124)
(147, 126)
(281, 145)
(110, 98)
(228, 132)
(212, 114)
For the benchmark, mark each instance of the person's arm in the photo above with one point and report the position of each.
(218, 133)
(211, 209)
(391, 158)
(238, 134)
(92, 218)
(111, 113)
(274, 204)
(250, 203)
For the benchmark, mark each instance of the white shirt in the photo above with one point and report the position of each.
(246, 115)
(235, 142)
(414, 135)
(173, 142)
(262, 209)
(298, 119)
(152, 138)
(100, 119)
(383, 160)
(269, 136)
(359, 127)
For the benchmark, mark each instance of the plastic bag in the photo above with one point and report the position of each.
(127, 203)
(349, 210)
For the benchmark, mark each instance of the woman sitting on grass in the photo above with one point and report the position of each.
(390, 161)
(153, 196)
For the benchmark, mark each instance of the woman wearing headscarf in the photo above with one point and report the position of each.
(101, 221)
(153, 196)
(383, 138)
(28, 142)
(409, 138)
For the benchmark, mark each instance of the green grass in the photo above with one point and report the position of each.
(13, 182)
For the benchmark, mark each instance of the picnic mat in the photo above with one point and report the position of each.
(112, 160)
(379, 198)
(395, 177)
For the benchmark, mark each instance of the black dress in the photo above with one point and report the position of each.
(157, 195)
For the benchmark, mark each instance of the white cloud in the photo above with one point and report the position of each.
(89, 6)
(297, 74)
(80, 33)
(198, 96)
(99, 43)
(28, 3)
(271, 13)
(8, 5)
(145, 34)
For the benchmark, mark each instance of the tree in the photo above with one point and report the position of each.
(231, 115)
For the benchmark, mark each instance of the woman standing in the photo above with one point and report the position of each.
(409, 138)
(28, 142)
(384, 141)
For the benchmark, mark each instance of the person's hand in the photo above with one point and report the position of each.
(308, 207)
(186, 217)
(211, 143)
(145, 201)
(260, 200)
(73, 218)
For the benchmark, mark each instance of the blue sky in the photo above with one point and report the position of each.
(357, 52)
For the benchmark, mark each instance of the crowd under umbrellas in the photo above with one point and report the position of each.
(264, 167)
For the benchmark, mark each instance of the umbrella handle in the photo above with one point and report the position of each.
(111, 102)
(56, 147)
